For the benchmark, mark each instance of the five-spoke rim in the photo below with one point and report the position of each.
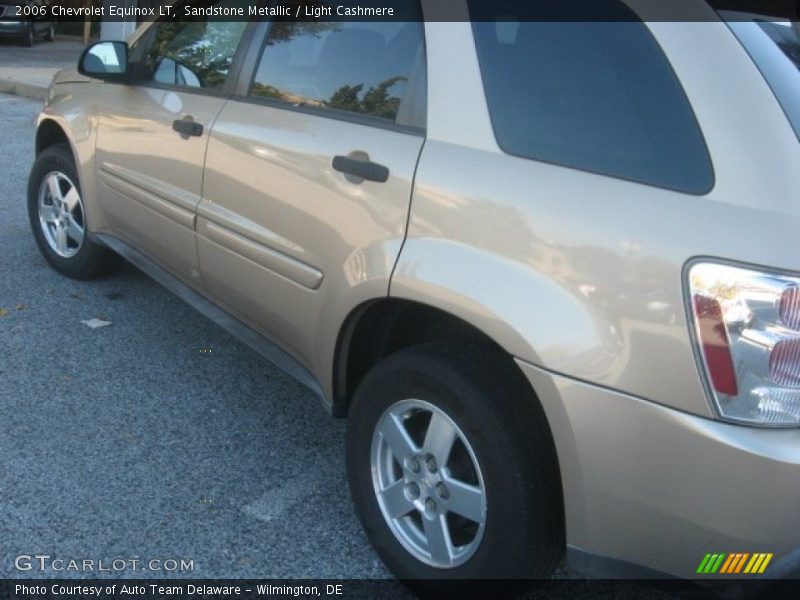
(61, 215)
(428, 483)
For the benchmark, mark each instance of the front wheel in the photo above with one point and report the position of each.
(452, 468)
(58, 217)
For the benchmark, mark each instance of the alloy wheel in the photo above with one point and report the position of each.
(61, 214)
(428, 483)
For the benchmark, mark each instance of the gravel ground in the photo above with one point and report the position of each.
(159, 436)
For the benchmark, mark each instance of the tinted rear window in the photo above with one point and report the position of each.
(596, 96)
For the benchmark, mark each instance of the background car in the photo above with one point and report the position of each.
(26, 28)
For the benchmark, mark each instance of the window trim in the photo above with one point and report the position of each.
(248, 74)
(712, 172)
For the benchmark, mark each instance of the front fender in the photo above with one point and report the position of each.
(72, 105)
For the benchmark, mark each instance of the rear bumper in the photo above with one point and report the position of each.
(650, 486)
(13, 27)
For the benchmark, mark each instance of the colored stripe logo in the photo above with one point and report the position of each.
(734, 564)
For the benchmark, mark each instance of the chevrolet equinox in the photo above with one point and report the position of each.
(547, 267)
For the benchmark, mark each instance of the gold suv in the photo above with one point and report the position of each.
(545, 264)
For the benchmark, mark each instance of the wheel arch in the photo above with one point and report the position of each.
(49, 133)
(380, 327)
(69, 123)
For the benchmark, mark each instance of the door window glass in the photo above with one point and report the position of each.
(193, 54)
(358, 67)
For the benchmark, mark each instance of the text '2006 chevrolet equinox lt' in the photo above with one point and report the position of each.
(547, 268)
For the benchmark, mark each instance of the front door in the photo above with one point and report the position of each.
(152, 137)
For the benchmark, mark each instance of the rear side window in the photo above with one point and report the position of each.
(593, 95)
(370, 69)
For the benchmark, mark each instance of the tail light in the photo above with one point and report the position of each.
(747, 328)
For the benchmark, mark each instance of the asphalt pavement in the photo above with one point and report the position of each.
(158, 436)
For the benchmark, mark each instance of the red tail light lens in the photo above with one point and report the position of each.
(716, 348)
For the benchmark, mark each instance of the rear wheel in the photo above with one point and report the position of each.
(29, 37)
(58, 217)
(452, 468)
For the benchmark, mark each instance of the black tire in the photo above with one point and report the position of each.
(488, 399)
(29, 37)
(91, 260)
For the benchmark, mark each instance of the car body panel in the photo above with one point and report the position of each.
(601, 279)
(650, 485)
(13, 28)
(304, 236)
(151, 176)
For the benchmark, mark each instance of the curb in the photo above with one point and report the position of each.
(28, 90)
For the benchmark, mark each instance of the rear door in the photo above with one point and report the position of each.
(152, 136)
(309, 174)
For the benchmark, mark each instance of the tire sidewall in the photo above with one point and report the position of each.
(403, 377)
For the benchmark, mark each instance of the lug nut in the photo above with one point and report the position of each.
(430, 462)
(413, 465)
(441, 491)
(430, 505)
(413, 490)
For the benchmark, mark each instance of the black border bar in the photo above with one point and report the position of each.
(405, 10)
